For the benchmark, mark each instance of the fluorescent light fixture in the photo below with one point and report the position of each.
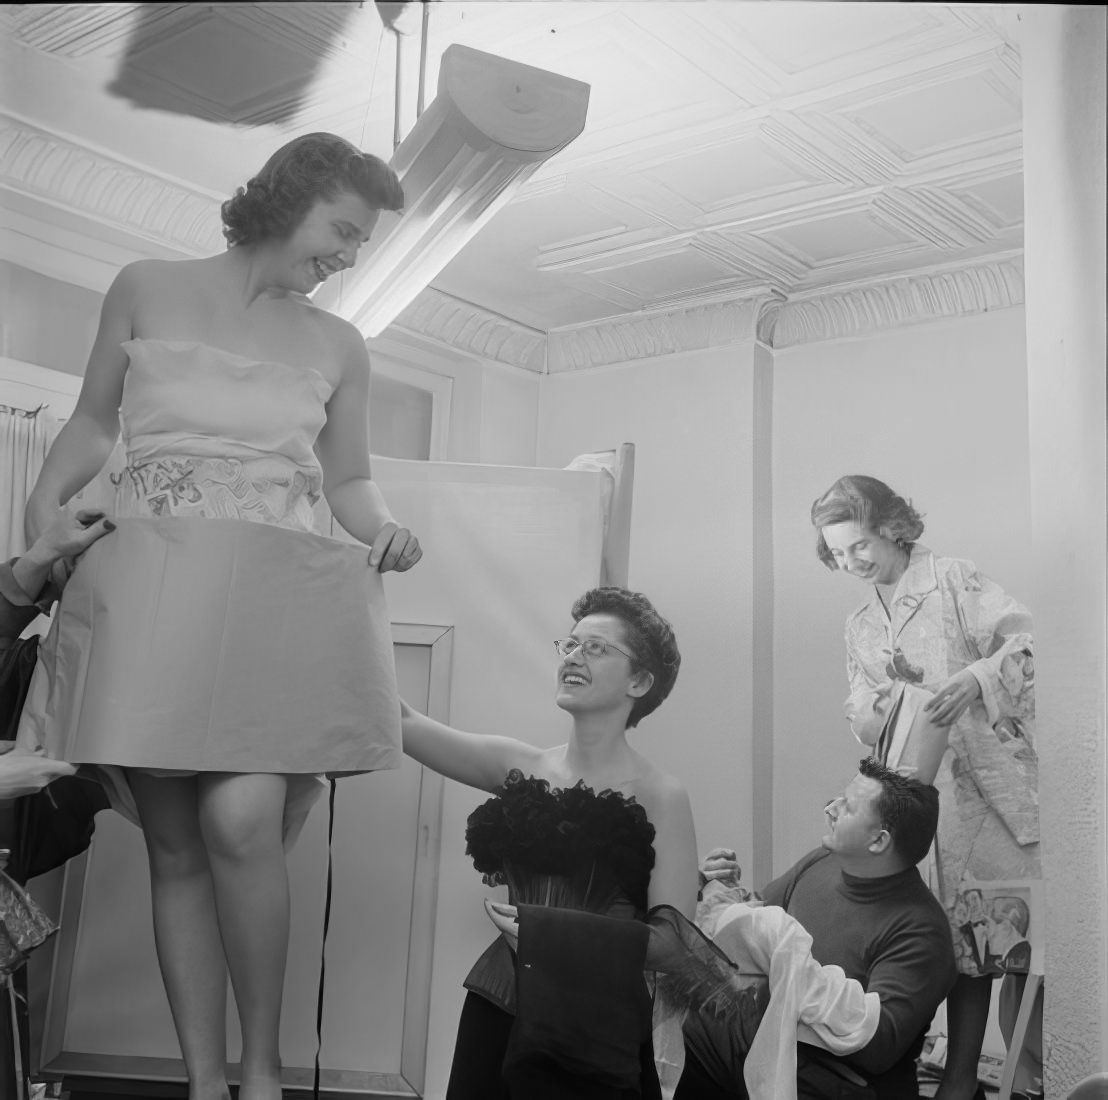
(490, 126)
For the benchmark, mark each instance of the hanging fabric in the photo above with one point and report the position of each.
(25, 437)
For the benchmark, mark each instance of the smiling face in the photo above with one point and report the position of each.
(854, 824)
(603, 683)
(327, 240)
(865, 554)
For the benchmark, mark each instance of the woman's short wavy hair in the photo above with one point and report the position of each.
(650, 637)
(869, 503)
(303, 171)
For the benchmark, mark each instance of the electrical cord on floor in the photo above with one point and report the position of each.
(323, 946)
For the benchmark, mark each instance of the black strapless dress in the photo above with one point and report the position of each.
(572, 1015)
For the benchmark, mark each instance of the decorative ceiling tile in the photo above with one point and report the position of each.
(849, 233)
(765, 262)
(678, 270)
(825, 33)
(931, 215)
(940, 116)
(713, 177)
(845, 155)
(999, 199)
(80, 30)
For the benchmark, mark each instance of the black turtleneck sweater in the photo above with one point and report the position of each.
(892, 935)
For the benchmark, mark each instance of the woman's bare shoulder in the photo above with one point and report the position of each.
(658, 791)
(341, 340)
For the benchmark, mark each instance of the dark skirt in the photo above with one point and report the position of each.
(477, 1070)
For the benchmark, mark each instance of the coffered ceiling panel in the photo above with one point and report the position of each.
(713, 177)
(679, 271)
(833, 32)
(818, 240)
(999, 199)
(942, 115)
(732, 149)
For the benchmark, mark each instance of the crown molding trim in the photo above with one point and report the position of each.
(857, 311)
(469, 328)
(980, 287)
(647, 336)
(57, 170)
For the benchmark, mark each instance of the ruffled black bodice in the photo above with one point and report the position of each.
(569, 847)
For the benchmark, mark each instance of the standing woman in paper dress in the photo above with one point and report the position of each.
(937, 625)
(219, 651)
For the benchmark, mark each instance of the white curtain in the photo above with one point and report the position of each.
(25, 437)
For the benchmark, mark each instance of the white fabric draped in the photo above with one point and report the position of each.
(24, 440)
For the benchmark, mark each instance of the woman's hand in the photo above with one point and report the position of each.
(721, 864)
(53, 553)
(394, 548)
(505, 917)
(69, 536)
(950, 701)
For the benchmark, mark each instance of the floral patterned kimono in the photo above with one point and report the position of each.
(944, 617)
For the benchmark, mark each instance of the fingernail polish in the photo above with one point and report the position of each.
(108, 525)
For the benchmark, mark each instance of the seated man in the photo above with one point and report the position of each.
(868, 911)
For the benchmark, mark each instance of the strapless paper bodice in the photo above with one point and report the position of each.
(189, 398)
(212, 433)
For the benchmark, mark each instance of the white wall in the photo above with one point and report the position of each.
(690, 419)
(493, 408)
(939, 412)
(44, 321)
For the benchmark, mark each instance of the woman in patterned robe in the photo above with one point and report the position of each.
(937, 625)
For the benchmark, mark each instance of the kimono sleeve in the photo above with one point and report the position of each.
(998, 628)
(869, 703)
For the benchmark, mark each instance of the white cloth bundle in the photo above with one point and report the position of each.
(809, 1003)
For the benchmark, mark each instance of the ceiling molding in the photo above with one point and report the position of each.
(468, 328)
(979, 288)
(625, 339)
(64, 173)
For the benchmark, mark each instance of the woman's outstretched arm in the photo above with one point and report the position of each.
(478, 760)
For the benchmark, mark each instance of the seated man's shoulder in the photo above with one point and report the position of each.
(779, 890)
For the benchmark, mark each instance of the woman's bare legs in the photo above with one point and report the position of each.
(240, 820)
(190, 949)
(967, 1014)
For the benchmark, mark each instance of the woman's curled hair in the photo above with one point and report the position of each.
(305, 170)
(872, 505)
(650, 637)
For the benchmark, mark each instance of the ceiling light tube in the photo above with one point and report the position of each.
(492, 123)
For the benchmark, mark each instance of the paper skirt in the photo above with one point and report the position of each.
(218, 645)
